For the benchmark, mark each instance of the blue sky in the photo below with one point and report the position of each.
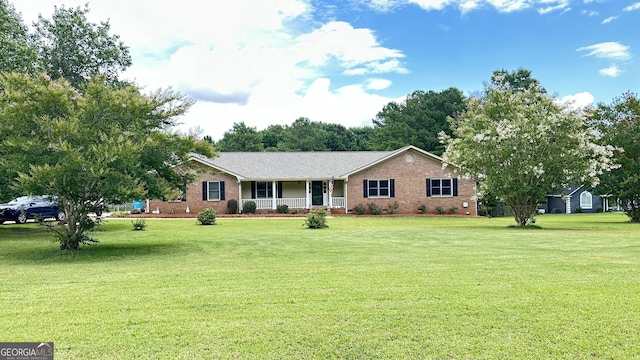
(271, 61)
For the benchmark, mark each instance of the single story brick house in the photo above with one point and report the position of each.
(337, 180)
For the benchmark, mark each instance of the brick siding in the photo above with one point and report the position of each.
(410, 185)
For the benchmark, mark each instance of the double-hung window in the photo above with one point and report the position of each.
(442, 187)
(213, 190)
(381, 188)
(264, 189)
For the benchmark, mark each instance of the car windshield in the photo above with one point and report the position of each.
(19, 201)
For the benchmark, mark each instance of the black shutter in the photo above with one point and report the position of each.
(253, 189)
(365, 188)
(205, 191)
(455, 186)
(392, 188)
(221, 190)
(279, 189)
(428, 187)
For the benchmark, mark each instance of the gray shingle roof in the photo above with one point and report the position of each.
(301, 165)
(293, 165)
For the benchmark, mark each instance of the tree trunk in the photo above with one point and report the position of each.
(633, 211)
(74, 234)
(523, 213)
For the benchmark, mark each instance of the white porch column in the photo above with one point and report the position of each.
(330, 194)
(239, 195)
(308, 194)
(344, 190)
(274, 195)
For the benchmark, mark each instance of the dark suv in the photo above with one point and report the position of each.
(31, 207)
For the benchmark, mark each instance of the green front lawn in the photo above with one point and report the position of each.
(366, 288)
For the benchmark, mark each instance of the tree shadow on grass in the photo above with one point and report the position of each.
(100, 252)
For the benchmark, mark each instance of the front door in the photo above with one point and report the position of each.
(317, 193)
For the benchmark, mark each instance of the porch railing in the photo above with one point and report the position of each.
(337, 202)
(260, 203)
(293, 203)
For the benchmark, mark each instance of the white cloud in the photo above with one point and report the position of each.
(507, 6)
(589, 13)
(383, 5)
(349, 46)
(556, 5)
(378, 84)
(469, 5)
(261, 62)
(432, 4)
(634, 6)
(350, 106)
(577, 101)
(609, 19)
(611, 71)
(466, 6)
(607, 50)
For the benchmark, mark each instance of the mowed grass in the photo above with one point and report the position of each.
(364, 288)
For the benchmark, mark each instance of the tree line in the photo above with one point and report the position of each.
(417, 121)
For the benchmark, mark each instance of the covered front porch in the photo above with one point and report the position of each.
(298, 194)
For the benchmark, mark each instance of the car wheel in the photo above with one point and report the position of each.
(22, 218)
(1, 222)
(98, 212)
(61, 216)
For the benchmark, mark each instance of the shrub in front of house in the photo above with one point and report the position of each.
(440, 210)
(599, 209)
(453, 210)
(207, 217)
(359, 209)
(294, 211)
(249, 207)
(316, 219)
(374, 209)
(393, 207)
(422, 209)
(484, 210)
(282, 209)
(232, 206)
(578, 209)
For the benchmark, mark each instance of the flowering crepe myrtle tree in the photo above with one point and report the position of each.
(619, 125)
(521, 145)
(85, 145)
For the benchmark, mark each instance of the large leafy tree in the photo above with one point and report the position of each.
(272, 136)
(619, 124)
(516, 80)
(417, 121)
(304, 135)
(241, 138)
(17, 54)
(520, 145)
(96, 142)
(362, 138)
(17, 51)
(75, 49)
